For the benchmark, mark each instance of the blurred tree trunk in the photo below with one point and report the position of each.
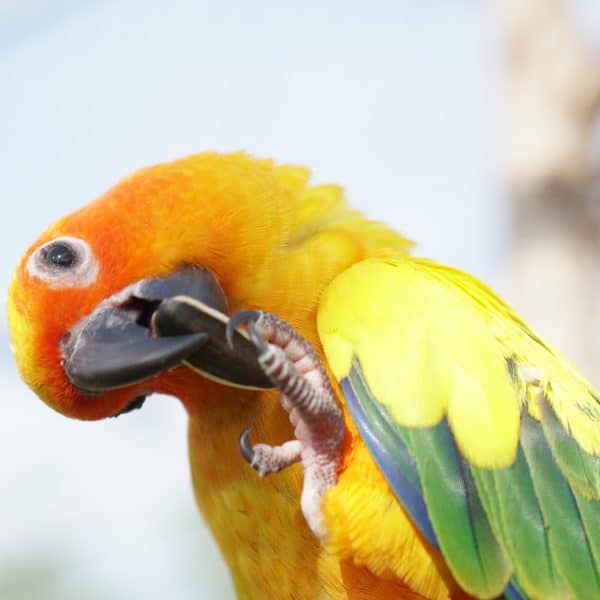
(552, 97)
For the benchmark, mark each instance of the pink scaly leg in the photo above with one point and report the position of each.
(294, 368)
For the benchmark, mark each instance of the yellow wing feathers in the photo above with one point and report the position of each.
(435, 342)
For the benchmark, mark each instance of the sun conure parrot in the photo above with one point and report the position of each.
(444, 449)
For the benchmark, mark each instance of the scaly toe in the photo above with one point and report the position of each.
(248, 318)
(267, 459)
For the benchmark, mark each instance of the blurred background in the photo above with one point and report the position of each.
(470, 126)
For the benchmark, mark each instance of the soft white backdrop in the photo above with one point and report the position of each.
(394, 100)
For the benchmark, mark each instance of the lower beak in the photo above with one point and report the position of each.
(156, 325)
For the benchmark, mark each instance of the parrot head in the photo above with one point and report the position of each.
(91, 314)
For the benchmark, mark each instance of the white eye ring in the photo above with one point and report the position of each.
(64, 262)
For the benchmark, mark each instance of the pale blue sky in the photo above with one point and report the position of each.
(394, 100)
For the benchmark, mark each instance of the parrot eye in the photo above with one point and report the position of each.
(59, 254)
(64, 262)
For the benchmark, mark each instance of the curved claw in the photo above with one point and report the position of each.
(249, 318)
(246, 446)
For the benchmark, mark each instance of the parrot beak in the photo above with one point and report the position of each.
(156, 325)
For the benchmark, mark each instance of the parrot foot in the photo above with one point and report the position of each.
(295, 369)
(269, 459)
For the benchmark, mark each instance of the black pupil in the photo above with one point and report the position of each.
(59, 254)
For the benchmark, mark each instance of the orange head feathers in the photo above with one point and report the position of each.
(244, 221)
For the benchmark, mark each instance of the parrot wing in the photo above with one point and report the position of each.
(488, 437)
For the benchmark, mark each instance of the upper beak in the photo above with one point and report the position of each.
(140, 332)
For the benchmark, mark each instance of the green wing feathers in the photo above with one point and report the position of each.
(502, 433)
(581, 468)
(459, 521)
